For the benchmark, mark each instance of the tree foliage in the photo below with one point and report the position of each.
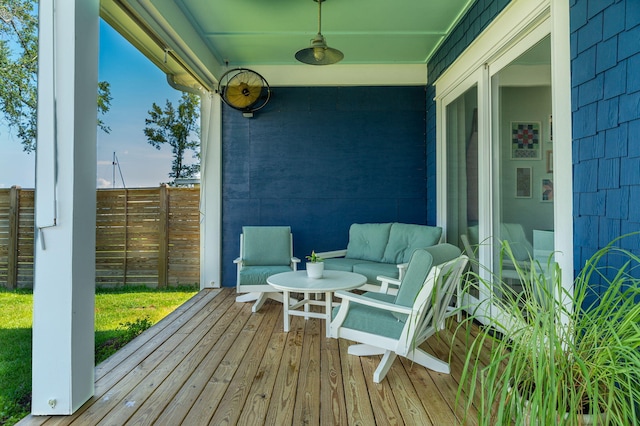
(176, 127)
(19, 71)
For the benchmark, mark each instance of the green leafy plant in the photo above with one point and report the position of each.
(314, 258)
(560, 356)
(131, 330)
(19, 72)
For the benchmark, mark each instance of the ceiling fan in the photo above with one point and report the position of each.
(319, 53)
(244, 90)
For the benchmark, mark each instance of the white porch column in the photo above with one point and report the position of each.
(210, 191)
(64, 276)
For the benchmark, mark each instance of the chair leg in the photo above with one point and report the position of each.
(429, 361)
(260, 298)
(365, 350)
(247, 297)
(385, 364)
(259, 302)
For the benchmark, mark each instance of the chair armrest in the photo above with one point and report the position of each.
(402, 268)
(294, 263)
(363, 300)
(332, 254)
(386, 281)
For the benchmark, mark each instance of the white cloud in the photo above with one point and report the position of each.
(103, 183)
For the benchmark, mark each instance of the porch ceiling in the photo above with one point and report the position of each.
(194, 39)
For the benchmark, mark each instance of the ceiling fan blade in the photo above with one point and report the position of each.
(242, 95)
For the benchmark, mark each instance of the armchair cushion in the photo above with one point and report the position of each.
(414, 277)
(520, 247)
(442, 253)
(372, 320)
(257, 275)
(405, 238)
(367, 241)
(266, 245)
(513, 233)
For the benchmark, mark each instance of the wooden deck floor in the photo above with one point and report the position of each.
(214, 362)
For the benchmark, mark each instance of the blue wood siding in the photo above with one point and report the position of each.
(318, 160)
(605, 83)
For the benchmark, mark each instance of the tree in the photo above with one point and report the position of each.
(19, 71)
(175, 127)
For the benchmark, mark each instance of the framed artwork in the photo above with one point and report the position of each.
(550, 128)
(523, 182)
(525, 140)
(550, 161)
(546, 195)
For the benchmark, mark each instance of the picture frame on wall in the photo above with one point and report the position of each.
(550, 128)
(525, 140)
(523, 182)
(550, 161)
(546, 194)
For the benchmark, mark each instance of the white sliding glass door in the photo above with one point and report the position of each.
(522, 144)
(495, 147)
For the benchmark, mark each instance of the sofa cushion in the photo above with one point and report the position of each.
(372, 269)
(405, 238)
(367, 241)
(342, 264)
(257, 275)
(266, 245)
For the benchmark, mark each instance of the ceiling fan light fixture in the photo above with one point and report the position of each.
(319, 53)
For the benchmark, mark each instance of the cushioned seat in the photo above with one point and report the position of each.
(343, 263)
(264, 251)
(371, 270)
(257, 275)
(381, 249)
(391, 325)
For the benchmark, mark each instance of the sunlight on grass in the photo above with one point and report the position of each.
(118, 313)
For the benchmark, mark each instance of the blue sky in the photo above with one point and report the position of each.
(136, 84)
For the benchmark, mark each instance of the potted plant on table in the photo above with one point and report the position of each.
(560, 356)
(315, 265)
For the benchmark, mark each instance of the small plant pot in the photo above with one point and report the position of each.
(315, 269)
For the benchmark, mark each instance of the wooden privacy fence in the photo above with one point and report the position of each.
(144, 236)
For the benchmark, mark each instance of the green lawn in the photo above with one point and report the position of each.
(120, 315)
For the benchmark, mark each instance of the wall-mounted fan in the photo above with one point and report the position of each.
(244, 90)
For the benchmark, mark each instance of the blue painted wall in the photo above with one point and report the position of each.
(605, 98)
(320, 159)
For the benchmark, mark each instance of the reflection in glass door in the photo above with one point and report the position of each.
(523, 162)
(462, 168)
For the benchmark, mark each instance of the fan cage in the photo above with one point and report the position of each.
(244, 90)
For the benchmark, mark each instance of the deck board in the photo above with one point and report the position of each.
(213, 361)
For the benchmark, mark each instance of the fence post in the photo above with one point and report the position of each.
(163, 246)
(14, 225)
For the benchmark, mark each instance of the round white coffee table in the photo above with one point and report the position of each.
(299, 282)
